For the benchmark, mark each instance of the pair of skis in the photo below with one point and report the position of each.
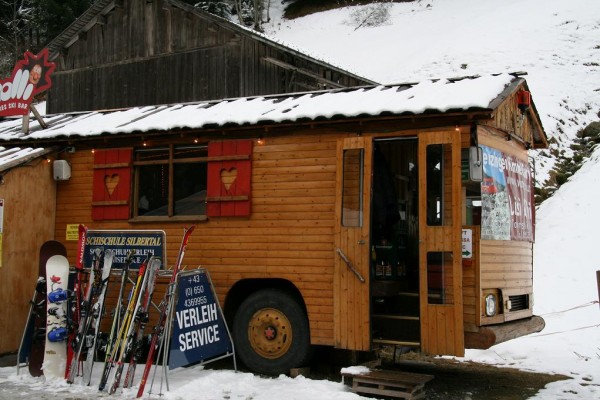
(91, 309)
(128, 339)
(165, 307)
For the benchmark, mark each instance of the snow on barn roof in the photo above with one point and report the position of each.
(434, 96)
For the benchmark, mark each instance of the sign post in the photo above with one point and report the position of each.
(200, 334)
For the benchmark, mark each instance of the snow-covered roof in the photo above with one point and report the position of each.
(433, 96)
(11, 157)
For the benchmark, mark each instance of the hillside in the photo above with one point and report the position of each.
(556, 42)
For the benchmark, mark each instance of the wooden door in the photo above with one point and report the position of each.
(440, 273)
(351, 276)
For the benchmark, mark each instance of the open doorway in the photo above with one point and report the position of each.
(395, 243)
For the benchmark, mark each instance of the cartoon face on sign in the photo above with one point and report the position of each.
(30, 76)
(35, 74)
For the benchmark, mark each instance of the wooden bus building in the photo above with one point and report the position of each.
(358, 218)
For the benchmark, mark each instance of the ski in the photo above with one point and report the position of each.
(85, 320)
(55, 351)
(164, 307)
(118, 311)
(97, 311)
(76, 298)
(141, 320)
(113, 355)
(127, 342)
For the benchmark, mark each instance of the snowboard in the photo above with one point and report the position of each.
(55, 349)
(31, 350)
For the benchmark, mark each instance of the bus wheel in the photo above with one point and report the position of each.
(271, 332)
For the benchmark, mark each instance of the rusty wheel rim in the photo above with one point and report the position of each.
(270, 333)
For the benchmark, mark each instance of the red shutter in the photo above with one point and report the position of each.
(229, 177)
(112, 184)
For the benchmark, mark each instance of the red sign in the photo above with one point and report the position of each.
(30, 76)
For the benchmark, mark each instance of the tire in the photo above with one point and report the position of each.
(271, 333)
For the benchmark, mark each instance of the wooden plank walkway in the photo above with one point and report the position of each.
(398, 384)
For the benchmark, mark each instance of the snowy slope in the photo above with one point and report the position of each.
(556, 42)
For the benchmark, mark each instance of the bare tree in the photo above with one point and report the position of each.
(16, 19)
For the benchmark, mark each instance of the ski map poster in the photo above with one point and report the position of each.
(200, 333)
(507, 197)
(143, 243)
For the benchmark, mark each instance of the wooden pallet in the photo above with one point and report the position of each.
(402, 385)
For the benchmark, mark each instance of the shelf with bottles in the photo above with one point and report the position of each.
(387, 261)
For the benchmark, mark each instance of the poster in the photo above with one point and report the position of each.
(506, 196)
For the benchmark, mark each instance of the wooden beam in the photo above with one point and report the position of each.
(302, 71)
(491, 335)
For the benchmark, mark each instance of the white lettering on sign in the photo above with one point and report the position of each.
(192, 317)
(19, 88)
(199, 337)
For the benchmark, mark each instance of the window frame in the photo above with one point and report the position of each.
(170, 161)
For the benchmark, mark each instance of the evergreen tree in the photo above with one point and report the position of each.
(567, 164)
(216, 7)
(31, 24)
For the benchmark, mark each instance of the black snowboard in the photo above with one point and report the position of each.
(37, 327)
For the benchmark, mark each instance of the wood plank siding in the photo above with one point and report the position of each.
(27, 188)
(288, 236)
(158, 53)
(508, 267)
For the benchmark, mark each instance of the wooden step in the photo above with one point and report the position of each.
(397, 384)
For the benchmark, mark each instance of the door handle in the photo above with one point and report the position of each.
(349, 265)
(361, 241)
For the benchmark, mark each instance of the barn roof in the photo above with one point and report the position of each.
(100, 8)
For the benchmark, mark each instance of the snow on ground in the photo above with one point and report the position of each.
(558, 43)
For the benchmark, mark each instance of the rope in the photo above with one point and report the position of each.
(570, 330)
(571, 309)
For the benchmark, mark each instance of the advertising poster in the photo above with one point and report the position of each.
(506, 195)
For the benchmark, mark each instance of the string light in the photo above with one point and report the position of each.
(260, 141)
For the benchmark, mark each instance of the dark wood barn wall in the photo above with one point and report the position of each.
(152, 53)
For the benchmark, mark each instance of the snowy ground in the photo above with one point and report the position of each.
(558, 43)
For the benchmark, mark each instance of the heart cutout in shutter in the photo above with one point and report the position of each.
(111, 182)
(228, 176)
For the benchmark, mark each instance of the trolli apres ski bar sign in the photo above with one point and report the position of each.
(30, 76)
